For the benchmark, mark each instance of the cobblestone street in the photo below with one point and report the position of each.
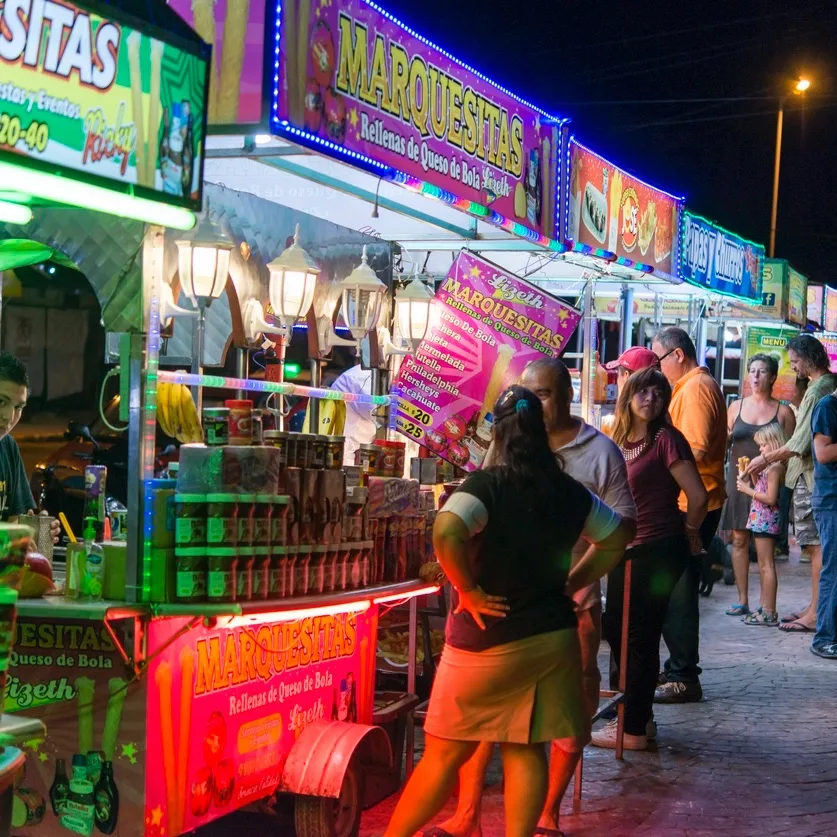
(758, 756)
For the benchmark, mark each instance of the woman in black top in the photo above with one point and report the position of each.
(510, 672)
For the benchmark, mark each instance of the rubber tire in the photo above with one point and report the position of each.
(315, 816)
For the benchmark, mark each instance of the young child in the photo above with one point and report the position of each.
(764, 522)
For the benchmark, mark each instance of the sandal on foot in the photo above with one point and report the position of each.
(791, 617)
(738, 610)
(764, 619)
(548, 832)
(796, 627)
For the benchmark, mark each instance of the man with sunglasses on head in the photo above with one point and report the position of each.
(699, 412)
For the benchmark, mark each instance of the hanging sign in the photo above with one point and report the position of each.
(486, 326)
(84, 95)
(830, 309)
(614, 211)
(720, 261)
(359, 85)
(816, 304)
(773, 342)
(797, 297)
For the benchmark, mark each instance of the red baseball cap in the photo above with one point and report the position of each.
(635, 359)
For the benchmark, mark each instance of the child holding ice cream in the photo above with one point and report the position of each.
(765, 521)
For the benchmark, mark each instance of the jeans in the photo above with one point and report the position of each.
(826, 520)
(655, 569)
(681, 630)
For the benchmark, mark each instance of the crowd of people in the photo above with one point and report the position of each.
(559, 505)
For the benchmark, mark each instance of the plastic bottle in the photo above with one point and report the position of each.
(78, 814)
(92, 580)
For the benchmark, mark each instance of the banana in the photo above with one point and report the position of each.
(164, 408)
(191, 423)
(175, 416)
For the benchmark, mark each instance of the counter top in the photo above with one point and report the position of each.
(18, 729)
(59, 607)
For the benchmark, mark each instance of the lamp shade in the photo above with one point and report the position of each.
(293, 278)
(362, 296)
(203, 260)
(412, 310)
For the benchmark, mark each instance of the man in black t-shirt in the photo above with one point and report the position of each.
(15, 495)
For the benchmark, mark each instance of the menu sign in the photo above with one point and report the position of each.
(358, 82)
(235, 29)
(486, 327)
(226, 705)
(816, 303)
(797, 297)
(83, 94)
(830, 309)
(773, 342)
(717, 260)
(612, 210)
(773, 290)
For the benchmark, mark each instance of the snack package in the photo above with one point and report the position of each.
(743, 464)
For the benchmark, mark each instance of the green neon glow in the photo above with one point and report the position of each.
(14, 213)
(292, 370)
(53, 187)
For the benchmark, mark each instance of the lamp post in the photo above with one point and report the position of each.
(203, 262)
(799, 88)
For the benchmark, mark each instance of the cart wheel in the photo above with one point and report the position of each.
(316, 816)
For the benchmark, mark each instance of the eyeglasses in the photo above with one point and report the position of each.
(669, 352)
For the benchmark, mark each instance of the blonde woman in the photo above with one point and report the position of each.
(764, 522)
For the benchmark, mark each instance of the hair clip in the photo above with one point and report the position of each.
(522, 405)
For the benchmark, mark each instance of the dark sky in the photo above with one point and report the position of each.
(603, 63)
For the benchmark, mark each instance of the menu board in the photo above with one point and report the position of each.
(84, 94)
(830, 309)
(774, 342)
(226, 705)
(361, 86)
(486, 326)
(235, 29)
(612, 210)
(797, 297)
(816, 304)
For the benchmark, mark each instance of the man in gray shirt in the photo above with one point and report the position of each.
(596, 462)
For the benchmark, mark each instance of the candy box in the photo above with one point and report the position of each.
(393, 497)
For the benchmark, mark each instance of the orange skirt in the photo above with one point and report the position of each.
(522, 692)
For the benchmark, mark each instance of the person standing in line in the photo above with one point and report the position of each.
(660, 467)
(589, 457)
(786, 494)
(808, 359)
(744, 419)
(824, 504)
(631, 360)
(699, 412)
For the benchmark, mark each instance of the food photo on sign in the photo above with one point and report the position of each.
(611, 210)
(486, 327)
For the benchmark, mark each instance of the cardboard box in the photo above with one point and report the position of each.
(393, 497)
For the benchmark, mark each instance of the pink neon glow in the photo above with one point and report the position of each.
(395, 597)
(292, 615)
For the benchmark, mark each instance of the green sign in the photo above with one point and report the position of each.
(95, 98)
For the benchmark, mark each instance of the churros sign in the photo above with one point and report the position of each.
(356, 78)
(227, 704)
(81, 93)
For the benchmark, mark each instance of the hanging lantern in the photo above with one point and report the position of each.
(293, 278)
(362, 296)
(412, 310)
(203, 260)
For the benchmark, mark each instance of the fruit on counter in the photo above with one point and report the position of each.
(37, 577)
(177, 414)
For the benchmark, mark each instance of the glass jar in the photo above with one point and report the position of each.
(388, 457)
(366, 458)
(305, 450)
(216, 430)
(190, 574)
(221, 519)
(221, 565)
(291, 450)
(240, 422)
(318, 447)
(278, 439)
(335, 448)
(190, 520)
(257, 427)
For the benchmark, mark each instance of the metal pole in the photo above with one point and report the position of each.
(197, 351)
(700, 341)
(775, 208)
(281, 349)
(627, 333)
(588, 367)
(242, 369)
(314, 403)
(720, 354)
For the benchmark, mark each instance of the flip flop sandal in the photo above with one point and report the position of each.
(796, 628)
(791, 617)
(738, 610)
(548, 832)
(436, 832)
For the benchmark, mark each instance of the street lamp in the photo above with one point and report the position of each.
(799, 89)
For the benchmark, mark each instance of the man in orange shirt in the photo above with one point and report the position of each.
(699, 412)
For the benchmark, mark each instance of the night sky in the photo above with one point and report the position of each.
(603, 63)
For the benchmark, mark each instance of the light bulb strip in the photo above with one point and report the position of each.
(66, 190)
(14, 213)
(286, 388)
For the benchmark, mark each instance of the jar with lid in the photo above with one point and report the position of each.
(262, 514)
(244, 574)
(190, 573)
(222, 519)
(246, 512)
(366, 458)
(221, 563)
(278, 439)
(257, 426)
(291, 450)
(387, 462)
(190, 520)
(279, 519)
(335, 447)
(261, 572)
(305, 450)
(216, 430)
(318, 446)
(240, 421)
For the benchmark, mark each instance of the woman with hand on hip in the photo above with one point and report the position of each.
(511, 668)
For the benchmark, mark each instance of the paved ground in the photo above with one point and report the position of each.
(757, 757)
